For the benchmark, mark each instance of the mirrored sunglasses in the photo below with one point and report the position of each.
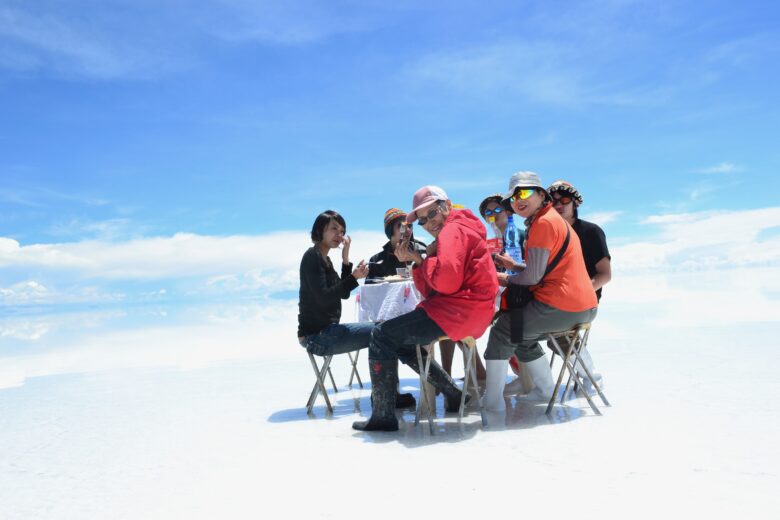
(489, 212)
(522, 194)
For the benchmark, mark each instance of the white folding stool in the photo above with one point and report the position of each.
(427, 401)
(577, 339)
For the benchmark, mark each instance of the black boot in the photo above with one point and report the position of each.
(384, 378)
(405, 401)
(443, 382)
(401, 400)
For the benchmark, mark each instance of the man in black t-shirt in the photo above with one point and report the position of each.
(566, 200)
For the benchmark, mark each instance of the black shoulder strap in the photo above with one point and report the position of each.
(552, 265)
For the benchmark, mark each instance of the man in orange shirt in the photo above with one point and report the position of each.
(561, 294)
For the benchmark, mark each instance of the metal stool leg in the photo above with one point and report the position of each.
(354, 373)
(560, 374)
(332, 381)
(592, 381)
(319, 386)
(426, 394)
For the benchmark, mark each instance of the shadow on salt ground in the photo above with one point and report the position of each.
(445, 426)
(346, 402)
(522, 415)
(356, 403)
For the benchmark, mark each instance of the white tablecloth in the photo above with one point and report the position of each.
(383, 301)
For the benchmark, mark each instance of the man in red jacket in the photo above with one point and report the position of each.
(459, 283)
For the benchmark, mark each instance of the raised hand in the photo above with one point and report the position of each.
(432, 248)
(345, 242)
(403, 254)
(361, 271)
(505, 261)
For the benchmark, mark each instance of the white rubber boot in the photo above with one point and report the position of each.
(588, 361)
(494, 385)
(542, 378)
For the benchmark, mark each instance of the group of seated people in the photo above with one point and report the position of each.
(556, 287)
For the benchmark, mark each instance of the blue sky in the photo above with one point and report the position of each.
(170, 153)
(246, 117)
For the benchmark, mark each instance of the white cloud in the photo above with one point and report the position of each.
(704, 240)
(24, 330)
(144, 40)
(28, 291)
(721, 168)
(43, 38)
(604, 217)
(533, 70)
(248, 261)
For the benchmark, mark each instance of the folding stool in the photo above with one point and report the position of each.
(577, 339)
(426, 403)
(319, 373)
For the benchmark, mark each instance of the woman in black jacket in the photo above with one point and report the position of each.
(321, 292)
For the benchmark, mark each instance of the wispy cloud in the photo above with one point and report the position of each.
(145, 40)
(720, 168)
(294, 22)
(704, 240)
(604, 217)
(68, 44)
(179, 256)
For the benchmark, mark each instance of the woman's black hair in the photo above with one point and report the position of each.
(322, 221)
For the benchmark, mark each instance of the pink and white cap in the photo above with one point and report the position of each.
(423, 198)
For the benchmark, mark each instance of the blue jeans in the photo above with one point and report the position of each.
(397, 338)
(339, 338)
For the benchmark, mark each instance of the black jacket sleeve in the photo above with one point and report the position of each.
(315, 276)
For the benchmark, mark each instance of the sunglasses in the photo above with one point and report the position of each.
(522, 195)
(561, 200)
(432, 213)
(489, 212)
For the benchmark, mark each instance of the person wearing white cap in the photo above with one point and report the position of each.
(551, 292)
(458, 281)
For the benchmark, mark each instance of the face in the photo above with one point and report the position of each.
(494, 209)
(333, 234)
(528, 206)
(563, 204)
(432, 218)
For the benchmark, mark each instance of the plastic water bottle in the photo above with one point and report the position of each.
(494, 241)
(512, 243)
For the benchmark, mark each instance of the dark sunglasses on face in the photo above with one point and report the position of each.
(432, 213)
(490, 212)
(561, 200)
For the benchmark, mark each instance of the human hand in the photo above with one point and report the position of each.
(361, 271)
(345, 243)
(403, 254)
(432, 248)
(505, 261)
(503, 279)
